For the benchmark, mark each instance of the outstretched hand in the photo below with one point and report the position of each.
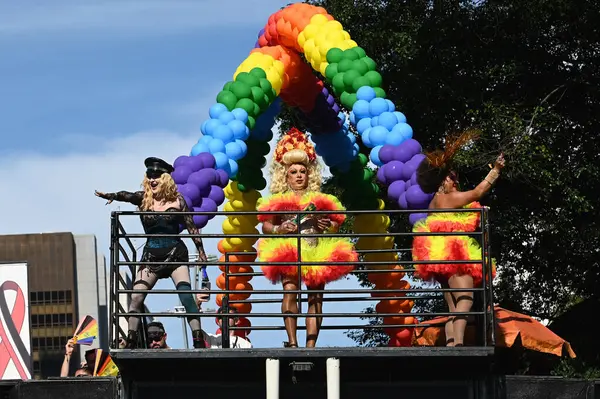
(499, 162)
(323, 223)
(103, 196)
(288, 227)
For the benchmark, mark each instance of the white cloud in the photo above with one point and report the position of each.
(134, 17)
(56, 193)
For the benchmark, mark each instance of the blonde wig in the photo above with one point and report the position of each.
(294, 157)
(167, 191)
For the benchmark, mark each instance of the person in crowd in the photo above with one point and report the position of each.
(295, 186)
(160, 195)
(157, 336)
(82, 371)
(436, 174)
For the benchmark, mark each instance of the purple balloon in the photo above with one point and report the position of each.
(408, 170)
(330, 100)
(413, 178)
(190, 191)
(416, 198)
(181, 174)
(216, 194)
(415, 217)
(403, 152)
(402, 201)
(203, 178)
(200, 220)
(325, 91)
(261, 32)
(408, 184)
(386, 153)
(417, 159)
(208, 205)
(180, 161)
(396, 189)
(189, 202)
(208, 160)
(336, 108)
(195, 163)
(393, 171)
(381, 175)
(222, 178)
(256, 45)
(413, 145)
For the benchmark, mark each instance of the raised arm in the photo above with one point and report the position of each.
(122, 196)
(192, 229)
(459, 199)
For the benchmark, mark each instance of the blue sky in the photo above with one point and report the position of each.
(89, 89)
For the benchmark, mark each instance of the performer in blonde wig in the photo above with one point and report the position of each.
(436, 175)
(160, 195)
(295, 186)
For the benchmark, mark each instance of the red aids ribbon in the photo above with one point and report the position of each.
(13, 321)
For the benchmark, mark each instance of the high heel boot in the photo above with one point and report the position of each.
(198, 339)
(132, 340)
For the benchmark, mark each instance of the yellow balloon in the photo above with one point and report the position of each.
(277, 85)
(315, 59)
(279, 67)
(334, 25)
(380, 204)
(301, 39)
(323, 67)
(309, 47)
(227, 246)
(309, 31)
(346, 35)
(228, 207)
(351, 43)
(237, 205)
(318, 19)
(335, 37)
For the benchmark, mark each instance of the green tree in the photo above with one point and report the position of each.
(525, 72)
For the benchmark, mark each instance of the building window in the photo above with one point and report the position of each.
(37, 298)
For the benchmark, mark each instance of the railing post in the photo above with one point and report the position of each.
(272, 378)
(114, 323)
(225, 308)
(333, 378)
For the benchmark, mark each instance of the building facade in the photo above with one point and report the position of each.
(67, 280)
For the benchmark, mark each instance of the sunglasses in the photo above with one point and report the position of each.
(155, 337)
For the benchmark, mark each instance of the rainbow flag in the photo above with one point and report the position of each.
(104, 367)
(86, 331)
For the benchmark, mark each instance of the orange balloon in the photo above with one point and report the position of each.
(220, 246)
(219, 299)
(232, 268)
(245, 269)
(242, 307)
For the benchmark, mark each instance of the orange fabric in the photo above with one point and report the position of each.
(509, 326)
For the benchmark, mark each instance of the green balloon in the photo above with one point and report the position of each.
(363, 160)
(227, 86)
(227, 98)
(241, 90)
(360, 51)
(349, 78)
(344, 65)
(265, 85)
(344, 99)
(258, 72)
(334, 55)
(258, 96)
(379, 92)
(242, 187)
(370, 63)
(251, 122)
(375, 188)
(331, 71)
(256, 110)
(271, 95)
(360, 66)
(250, 80)
(351, 100)
(360, 82)
(374, 78)
(367, 175)
(350, 55)
(247, 105)
(338, 84)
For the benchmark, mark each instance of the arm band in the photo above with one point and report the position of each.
(492, 177)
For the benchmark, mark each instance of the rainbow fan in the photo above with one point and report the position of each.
(86, 331)
(104, 366)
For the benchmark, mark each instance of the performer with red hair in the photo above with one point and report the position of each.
(295, 186)
(436, 174)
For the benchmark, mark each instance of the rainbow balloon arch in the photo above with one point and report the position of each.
(300, 51)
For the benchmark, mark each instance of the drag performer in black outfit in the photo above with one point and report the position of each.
(160, 195)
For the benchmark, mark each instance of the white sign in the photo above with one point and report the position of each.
(15, 335)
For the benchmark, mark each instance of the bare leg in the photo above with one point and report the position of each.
(290, 306)
(463, 302)
(313, 324)
(449, 328)
(145, 280)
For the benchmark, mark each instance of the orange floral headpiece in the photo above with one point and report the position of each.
(294, 139)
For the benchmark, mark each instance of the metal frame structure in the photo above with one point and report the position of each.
(484, 315)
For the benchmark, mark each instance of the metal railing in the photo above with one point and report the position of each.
(483, 301)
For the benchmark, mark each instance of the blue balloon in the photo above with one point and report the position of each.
(232, 168)
(221, 160)
(366, 139)
(242, 145)
(210, 126)
(394, 138)
(387, 120)
(363, 125)
(378, 135)
(203, 126)
(375, 156)
(405, 130)
(375, 121)
(377, 106)
(240, 114)
(352, 138)
(391, 105)
(352, 118)
(361, 110)
(216, 110)
(216, 146)
(226, 117)
(239, 129)
(223, 133)
(366, 93)
(400, 116)
(205, 139)
(199, 148)
(234, 151)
